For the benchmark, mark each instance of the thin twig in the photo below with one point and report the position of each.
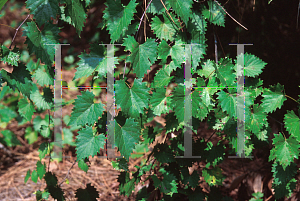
(67, 173)
(231, 16)
(145, 22)
(298, 14)
(168, 13)
(142, 18)
(18, 30)
(216, 48)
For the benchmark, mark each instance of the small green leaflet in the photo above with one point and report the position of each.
(292, 124)
(192, 179)
(284, 150)
(126, 137)
(162, 78)
(273, 98)
(10, 57)
(166, 29)
(20, 78)
(37, 41)
(44, 101)
(85, 111)
(168, 185)
(43, 10)
(225, 72)
(41, 169)
(228, 103)
(74, 14)
(182, 8)
(132, 100)
(253, 65)
(158, 102)
(214, 14)
(258, 118)
(142, 56)
(26, 109)
(176, 52)
(88, 144)
(9, 138)
(118, 18)
(44, 75)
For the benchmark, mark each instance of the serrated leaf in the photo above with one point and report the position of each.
(28, 175)
(89, 193)
(227, 102)
(284, 150)
(168, 185)
(44, 75)
(253, 65)
(182, 8)
(7, 114)
(30, 135)
(158, 100)
(41, 169)
(257, 119)
(176, 52)
(20, 78)
(44, 101)
(192, 179)
(292, 124)
(74, 14)
(126, 184)
(82, 165)
(126, 136)
(214, 14)
(39, 41)
(142, 56)
(225, 72)
(25, 109)
(85, 111)
(10, 57)
(118, 18)
(156, 7)
(43, 150)
(273, 99)
(207, 70)
(165, 29)
(120, 164)
(88, 144)
(132, 100)
(162, 78)
(43, 10)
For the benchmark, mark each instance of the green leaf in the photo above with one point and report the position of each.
(118, 18)
(30, 135)
(176, 52)
(162, 78)
(39, 41)
(43, 10)
(284, 150)
(120, 164)
(9, 138)
(207, 69)
(43, 150)
(192, 179)
(292, 124)
(44, 101)
(258, 118)
(225, 72)
(227, 102)
(273, 98)
(199, 109)
(44, 75)
(158, 100)
(68, 137)
(20, 78)
(182, 8)
(89, 193)
(165, 29)
(214, 14)
(85, 111)
(41, 169)
(6, 113)
(82, 165)
(126, 136)
(28, 174)
(2, 2)
(34, 176)
(126, 184)
(10, 57)
(142, 56)
(88, 144)
(253, 65)
(26, 109)
(74, 14)
(132, 100)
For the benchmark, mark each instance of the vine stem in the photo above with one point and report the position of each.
(231, 16)
(142, 18)
(291, 98)
(18, 30)
(67, 174)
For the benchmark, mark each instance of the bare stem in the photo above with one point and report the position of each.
(18, 30)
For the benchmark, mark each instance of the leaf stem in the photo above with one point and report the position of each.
(291, 98)
(18, 30)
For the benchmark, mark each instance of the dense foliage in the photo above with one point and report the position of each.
(175, 30)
